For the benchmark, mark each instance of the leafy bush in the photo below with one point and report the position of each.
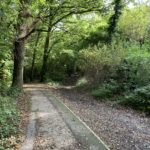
(9, 117)
(139, 98)
(134, 70)
(13, 92)
(106, 90)
(99, 62)
(126, 64)
(61, 64)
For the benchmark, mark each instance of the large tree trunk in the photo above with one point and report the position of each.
(19, 52)
(24, 28)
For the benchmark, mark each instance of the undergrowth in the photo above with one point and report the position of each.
(9, 118)
(139, 98)
(119, 72)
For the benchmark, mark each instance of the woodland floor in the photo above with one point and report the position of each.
(120, 128)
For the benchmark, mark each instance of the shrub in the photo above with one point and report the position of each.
(139, 98)
(13, 92)
(9, 117)
(61, 64)
(99, 63)
(126, 64)
(106, 90)
(134, 70)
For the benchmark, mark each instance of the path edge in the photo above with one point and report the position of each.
(77, 117)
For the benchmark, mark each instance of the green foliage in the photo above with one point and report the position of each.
(134, 69)
(106, 90)
(78, 45)
(113, 21)
(5, 64)
(61, 64)
(139, 99)
(95, 31)
(99, 62)
(9, 117)
(134, 23)
(114, 70)
(13, 92)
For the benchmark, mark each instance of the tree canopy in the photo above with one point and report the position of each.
(44, 40)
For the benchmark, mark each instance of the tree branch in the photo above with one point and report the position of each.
(29, 30)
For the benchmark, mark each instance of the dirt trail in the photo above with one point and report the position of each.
(47, 129)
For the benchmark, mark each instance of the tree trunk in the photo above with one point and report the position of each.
(34, 57)
(24, 28)
(45, 58)
(44, 68)
(113, 21)
(19, 52)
